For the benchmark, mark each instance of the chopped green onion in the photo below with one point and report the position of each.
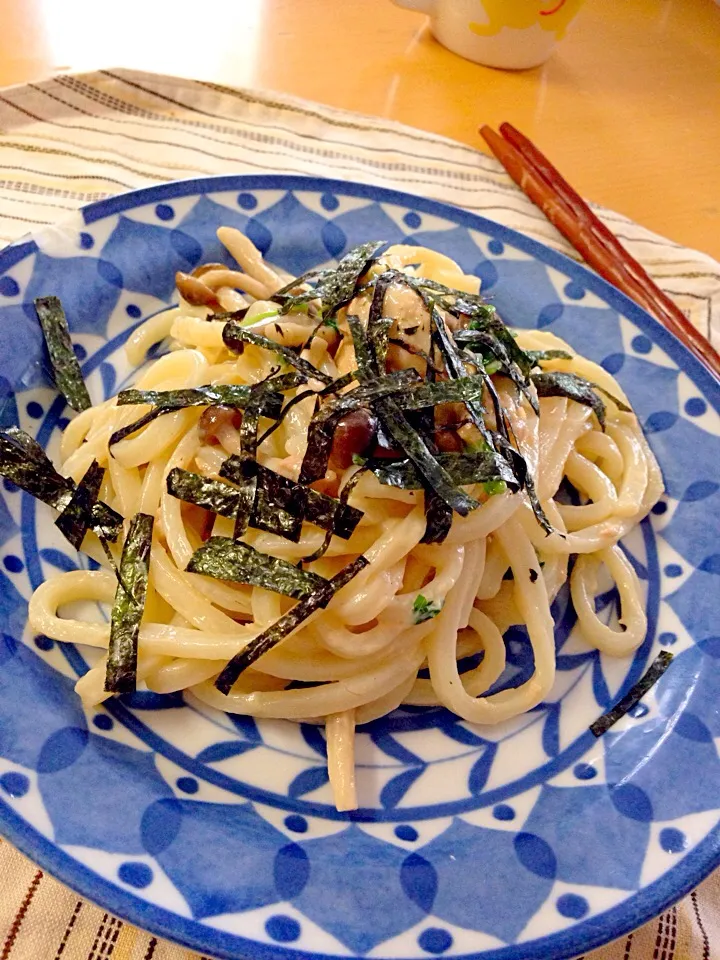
(424, 609)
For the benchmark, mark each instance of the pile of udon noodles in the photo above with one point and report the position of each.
(496, 568)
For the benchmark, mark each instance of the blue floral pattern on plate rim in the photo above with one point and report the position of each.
(122, 253)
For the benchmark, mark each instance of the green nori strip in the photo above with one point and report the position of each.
(333, 387)
(331, 514)
(127, 611)
(345, 507)
(24, 462)
(425, 462)
(214, 495)
(325, 512)
(75, 519)
(68, 375)
(416, 352)
(318, 508)
(254, 408)
(656, 669)
(167, 401)
(438, 518)
(323, 424)
(463, 390)
(396, 426)
(226, 559)
(379, 340)
(364, 354)
(220, 394)
(570, 385)
(105, 522)
(334, 288)
(533, 576)
(280, 506)
(236, 336)
(462, 469)
(537, 509)
(611, 396)
(456, 369)
(285, 292)
(286, 624)
(474, 304)
(378, 326)
(494, 328)
(499, 351)
(247, 484)
(266, 500)
(540, 356)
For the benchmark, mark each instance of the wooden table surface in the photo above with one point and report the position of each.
(628, 107)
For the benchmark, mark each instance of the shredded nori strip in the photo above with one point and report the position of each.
(224, 558)
(438, 518)
(167, 401)
(463, 390)
(285, 292)
(540, 356)
(75, 519)
(364, 354)
(499, 351)
(343, 506)
(331, 514)
(257, 406)
(280, 507)
(378, 325)
(335, 387)
(334, 288)
(399, 430)
(261, 644)
(656, 669)
(311, 505)
(499, 336)
(24, 462)
(128, 608)
(236, 336)
(66, 367)
(323, 424)
(461, 468)
(570, 385)
(414, 447)
(416, 352)
(499, 440)
(219, 394)
(456, 369)
(214, 495)
(325, 512)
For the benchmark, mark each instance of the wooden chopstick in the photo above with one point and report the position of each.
(567, 211)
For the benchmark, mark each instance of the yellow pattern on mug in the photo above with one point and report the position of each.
(552, 15)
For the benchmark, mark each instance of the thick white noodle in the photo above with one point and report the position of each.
(496, 568)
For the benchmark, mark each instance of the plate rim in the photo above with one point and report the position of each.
(585, 935)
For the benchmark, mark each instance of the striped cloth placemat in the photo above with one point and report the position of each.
(73, 139)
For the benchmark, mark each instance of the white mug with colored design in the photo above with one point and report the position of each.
(513, 34)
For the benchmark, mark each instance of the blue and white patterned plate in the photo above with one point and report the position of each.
(529, 840)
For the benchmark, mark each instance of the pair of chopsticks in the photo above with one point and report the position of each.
(600, 248)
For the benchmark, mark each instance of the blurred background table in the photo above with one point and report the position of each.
(628, 107)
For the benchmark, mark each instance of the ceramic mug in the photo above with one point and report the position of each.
(514, 34)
